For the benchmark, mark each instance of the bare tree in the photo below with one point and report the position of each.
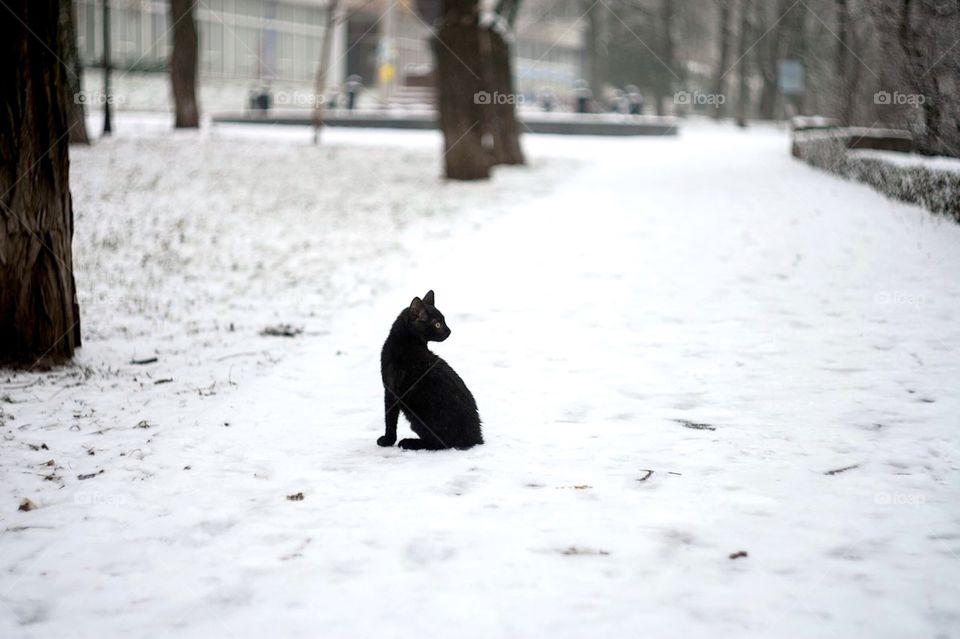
(39, 316)
(323, 67)
(183, 64)
(844, 69)
(743, 51)
(725, 33)
(927, 32)
(597, 46)
(781, 35)
(76, 116)
(459, 65)
(842, 83)
(667, 72)
(501, 122)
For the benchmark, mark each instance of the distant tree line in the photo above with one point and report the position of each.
(865, 62)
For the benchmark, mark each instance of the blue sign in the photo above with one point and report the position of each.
(790, 77)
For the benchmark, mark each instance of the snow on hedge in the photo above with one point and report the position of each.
(930, 185)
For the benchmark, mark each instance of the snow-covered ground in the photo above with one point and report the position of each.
(681, 349)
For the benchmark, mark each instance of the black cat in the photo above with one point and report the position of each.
(431, 395)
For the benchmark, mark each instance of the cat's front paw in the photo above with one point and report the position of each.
(383, 440)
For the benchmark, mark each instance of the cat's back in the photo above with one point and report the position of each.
(401, 361)
(449, 378)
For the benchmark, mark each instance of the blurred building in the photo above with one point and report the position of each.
(248, 43)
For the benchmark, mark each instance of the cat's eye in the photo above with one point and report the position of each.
(436, 325)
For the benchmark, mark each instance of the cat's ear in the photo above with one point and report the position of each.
(417, 309)
(428, 298)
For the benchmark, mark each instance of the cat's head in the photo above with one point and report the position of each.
(426, 321)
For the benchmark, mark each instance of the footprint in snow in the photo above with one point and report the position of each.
(462, 483)
(28, 612)
(425, 551)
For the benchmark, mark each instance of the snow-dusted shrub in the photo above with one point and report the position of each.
(938, 191)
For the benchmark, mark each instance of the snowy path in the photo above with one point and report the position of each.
(806, 324)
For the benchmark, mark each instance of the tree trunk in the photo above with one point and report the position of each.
(323, 67)
(596, 48)
(666, 69)
(847, 79)
(183, 64)
(76, 114)
(456, 47)
(923, 82)
(506, 142)
(766, 56)
(767, 107)
(743, 90)
(667, 55)
(724, 56)
(39, 316)
(781, 40)
(504, 128)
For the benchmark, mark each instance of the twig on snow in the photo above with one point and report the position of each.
(837, 471)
